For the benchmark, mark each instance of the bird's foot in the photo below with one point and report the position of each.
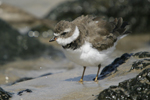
(95, 79)
(81, 81)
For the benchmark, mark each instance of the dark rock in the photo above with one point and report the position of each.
(116, 63)
(21, 92)
(4, 95)
(13, 44)
(142, 54)
(135, 11)
(110, 94)
(140, 64)
(137, 88)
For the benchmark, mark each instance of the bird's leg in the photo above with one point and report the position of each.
(99, 66)
(81, 80)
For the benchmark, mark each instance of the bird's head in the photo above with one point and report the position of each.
(65, 33)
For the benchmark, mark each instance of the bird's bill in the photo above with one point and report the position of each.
(53, 39)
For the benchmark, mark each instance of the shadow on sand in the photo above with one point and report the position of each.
(86, 78)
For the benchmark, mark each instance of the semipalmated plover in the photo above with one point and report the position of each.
(89, 40)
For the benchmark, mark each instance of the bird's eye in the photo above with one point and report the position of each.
(63, 33)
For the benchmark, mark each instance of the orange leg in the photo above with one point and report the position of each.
(81, 80)
(99, 66)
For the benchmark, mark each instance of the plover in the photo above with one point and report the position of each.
(88, 40)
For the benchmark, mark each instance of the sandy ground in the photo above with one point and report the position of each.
(63, 83)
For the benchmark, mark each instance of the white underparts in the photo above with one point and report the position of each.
(65, 41)
(86, 55)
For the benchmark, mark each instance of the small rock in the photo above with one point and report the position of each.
(4, 95)
(21, 92)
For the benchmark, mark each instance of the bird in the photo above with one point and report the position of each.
(89, 40)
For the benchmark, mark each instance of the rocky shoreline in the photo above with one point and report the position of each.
(137, 88)
(131, 88)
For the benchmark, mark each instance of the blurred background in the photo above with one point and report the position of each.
(27, 25)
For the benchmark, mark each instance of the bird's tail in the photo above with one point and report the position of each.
(120, 27)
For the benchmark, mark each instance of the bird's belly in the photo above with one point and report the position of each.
(87, 56)
(84, 59)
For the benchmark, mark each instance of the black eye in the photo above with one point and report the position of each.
(63, 33)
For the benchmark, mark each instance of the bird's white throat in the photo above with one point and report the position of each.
(65, 41)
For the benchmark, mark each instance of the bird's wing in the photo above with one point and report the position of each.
(104, 34)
